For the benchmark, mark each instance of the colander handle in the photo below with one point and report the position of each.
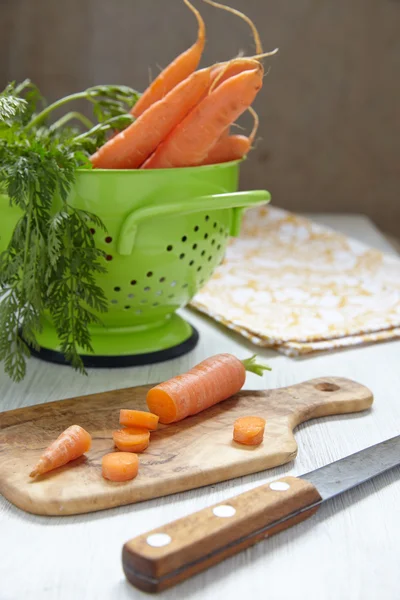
(238, 201)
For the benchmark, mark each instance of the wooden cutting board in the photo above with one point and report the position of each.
(195, 452)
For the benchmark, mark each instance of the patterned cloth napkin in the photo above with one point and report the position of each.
(293, 285)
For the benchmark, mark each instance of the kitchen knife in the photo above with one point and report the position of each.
(167, 555)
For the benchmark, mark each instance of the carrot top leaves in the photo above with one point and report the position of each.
(252, 366)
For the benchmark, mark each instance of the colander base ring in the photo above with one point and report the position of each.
(127, 360)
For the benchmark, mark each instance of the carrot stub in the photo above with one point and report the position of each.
(70, 444)
(131, 439)
(211, 381)
(249, 430)
(138, 418)
(119, 466)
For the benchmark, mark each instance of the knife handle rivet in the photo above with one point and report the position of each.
(224, 510)
(279, 486)
(158, 540)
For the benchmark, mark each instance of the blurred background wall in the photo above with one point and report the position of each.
(330, 107)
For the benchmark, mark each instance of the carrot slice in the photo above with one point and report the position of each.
(249, 430)
(190, 142)
(176, 72)
(140, 418)
(119, 466)
(211, 381)
(70, 444)
(131, 439)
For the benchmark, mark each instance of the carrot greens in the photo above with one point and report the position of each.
(50, 263)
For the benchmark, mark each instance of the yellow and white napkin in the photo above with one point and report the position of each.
(293, 285)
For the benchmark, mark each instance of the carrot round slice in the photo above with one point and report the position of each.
(249, 430)
(120, 466)
(131, 439)
(139, 418)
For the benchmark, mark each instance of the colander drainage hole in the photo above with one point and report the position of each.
(150, 274)
(185, 285)
(138, 312)
(133, 282)
(173, 283)
(219, 247)
(171, 296)
(215, 225)
(108, 240)
(162, 279)
(207, 218)
(117, 289)
(109, 257)
(156, 304)
(206, 236)
(143, 302)
(203, 253)
(127, 307)
(191, 263)
(114, 301)
(131, 296)
(184, 238)
(213, 243)
(169, 248)
(92, 231)
(159, 293)
(221, 230)
(182, 256)
(194, 246)
(209, 258)
(147, 289)
(196, 228)
(198, 269)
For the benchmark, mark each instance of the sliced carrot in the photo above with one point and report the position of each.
(249, 430)
(190, 142)
(70, 444)
(183, 66)
(130, 148)
(211, 381)
(140, 418)
(119, 466)
(131, 439)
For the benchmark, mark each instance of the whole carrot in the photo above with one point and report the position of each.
(132, 146)
(190, 142)
(211, 381)
(71, 444)
(183, 66)
(232, 147)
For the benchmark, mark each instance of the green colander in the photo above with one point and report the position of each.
(167, 230)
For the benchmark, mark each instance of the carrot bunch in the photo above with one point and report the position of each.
(184, 117)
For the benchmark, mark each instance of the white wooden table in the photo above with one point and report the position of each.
(348, 551)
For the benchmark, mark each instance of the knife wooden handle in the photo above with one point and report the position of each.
(168, 555)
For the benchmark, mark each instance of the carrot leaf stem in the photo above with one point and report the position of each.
(252, 366)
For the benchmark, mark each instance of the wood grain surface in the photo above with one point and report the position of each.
(203, 539)
(195, 452)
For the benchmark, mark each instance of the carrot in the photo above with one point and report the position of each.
(233, 147)
(234, 11)
(222, 71)
(130, 148)
(70, 444)
(119, 466)
(131, 439)
(211, 381)
(183, 66)
(249, 430)
(190, 142)
(140, 418)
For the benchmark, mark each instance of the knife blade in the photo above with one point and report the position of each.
(161, 558)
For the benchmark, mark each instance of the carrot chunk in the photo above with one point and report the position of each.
(211, 381)
(70, 444)
(131, 439)
(139, 418)
(249, 430)
(120, 466)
